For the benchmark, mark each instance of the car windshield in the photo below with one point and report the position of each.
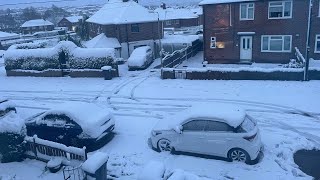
(248, 125)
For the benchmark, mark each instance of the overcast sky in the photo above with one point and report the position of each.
(82, 2)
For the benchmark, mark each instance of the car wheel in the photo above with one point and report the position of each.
(164, 145)
(239, 155)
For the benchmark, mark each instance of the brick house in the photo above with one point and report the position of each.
(264, 31)
(178, 18)
(71, 22)
(36, 25)
(129, 22)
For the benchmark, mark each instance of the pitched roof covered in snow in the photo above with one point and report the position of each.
(171, 14)
(74, 19)
(102, 41)
(119, 12)
(37, 22)
(206, 2)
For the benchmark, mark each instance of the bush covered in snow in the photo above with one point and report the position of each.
(293, 64)
(32, 59)
(12, 134)
(48, 58)
(94, 58)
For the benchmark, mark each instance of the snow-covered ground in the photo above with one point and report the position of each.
(287, 113)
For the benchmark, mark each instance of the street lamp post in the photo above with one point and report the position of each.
(306, 70)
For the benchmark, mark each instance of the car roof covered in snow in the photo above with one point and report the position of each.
(232, 115)
(5, 103)
(206, 2)
(119, 12)
(88, 116)
(37, 22)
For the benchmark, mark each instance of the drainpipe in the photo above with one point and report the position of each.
(128, 48)
(306, 70)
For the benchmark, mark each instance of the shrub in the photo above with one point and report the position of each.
(12, 147)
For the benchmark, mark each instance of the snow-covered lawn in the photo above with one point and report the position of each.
(141, 99)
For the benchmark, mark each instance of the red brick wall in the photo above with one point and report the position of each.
(65, 23)
(217, 23)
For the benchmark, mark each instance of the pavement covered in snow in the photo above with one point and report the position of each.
(287, 114)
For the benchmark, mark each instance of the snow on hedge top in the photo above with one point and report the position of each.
(95, 162)
(10, 122)
(37, 22)
(119, 12)
(171, 14)
(102, 41)
(74, 19)
(90, 117)
(232, 115)
(206, 2)
(154, 170)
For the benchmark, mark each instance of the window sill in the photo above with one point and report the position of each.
(277, 18)
(246, 19)
(276, 51)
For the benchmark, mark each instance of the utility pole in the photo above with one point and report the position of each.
(306, 70)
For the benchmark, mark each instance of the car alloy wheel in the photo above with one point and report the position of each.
(238, 155)
(164, 145)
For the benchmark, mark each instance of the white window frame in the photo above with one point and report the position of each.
(247, 11)
(168, 22)
(269, 37)
(283, 6)
(213, 42)
(319, 9)
(315, 45)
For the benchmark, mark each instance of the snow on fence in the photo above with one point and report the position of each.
(45, 150)
(178, 56)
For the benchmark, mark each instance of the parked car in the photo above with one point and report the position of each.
(141, 58)
(74, 124)
(12, 133)
(224, 132)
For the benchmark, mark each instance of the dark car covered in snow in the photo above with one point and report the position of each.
(74, 124)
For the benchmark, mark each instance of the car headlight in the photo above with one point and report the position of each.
(156, 133)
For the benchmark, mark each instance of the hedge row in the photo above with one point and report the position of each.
(48, 58)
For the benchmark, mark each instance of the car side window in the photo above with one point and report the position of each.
(56, 120)
(215, 126)
(196, 125)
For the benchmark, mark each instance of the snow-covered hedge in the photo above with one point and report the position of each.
(94, 58)
(48, 58)
(12, 134)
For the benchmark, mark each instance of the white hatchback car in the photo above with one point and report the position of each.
(228, 133)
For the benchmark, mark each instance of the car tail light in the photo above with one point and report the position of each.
(250, 138)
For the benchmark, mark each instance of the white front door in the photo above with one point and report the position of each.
(246, 48)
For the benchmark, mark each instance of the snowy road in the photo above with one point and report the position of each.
(287, 113)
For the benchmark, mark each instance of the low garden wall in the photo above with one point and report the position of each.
(234, 74)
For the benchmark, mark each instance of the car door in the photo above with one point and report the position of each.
(192, 138)
(220, 137)
(53, 127)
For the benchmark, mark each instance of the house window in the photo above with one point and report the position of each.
(276, 43)
(177, 21)
(213, 43)
(247, 11)
(317, 46)
(168, 23)
(280, 10)
(135, 28)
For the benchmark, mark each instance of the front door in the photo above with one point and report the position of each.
(246, 48)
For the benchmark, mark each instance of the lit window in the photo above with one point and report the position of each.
(247, 11)
(280, 9)
(276, 43)
(317, 46)
(213, 43)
